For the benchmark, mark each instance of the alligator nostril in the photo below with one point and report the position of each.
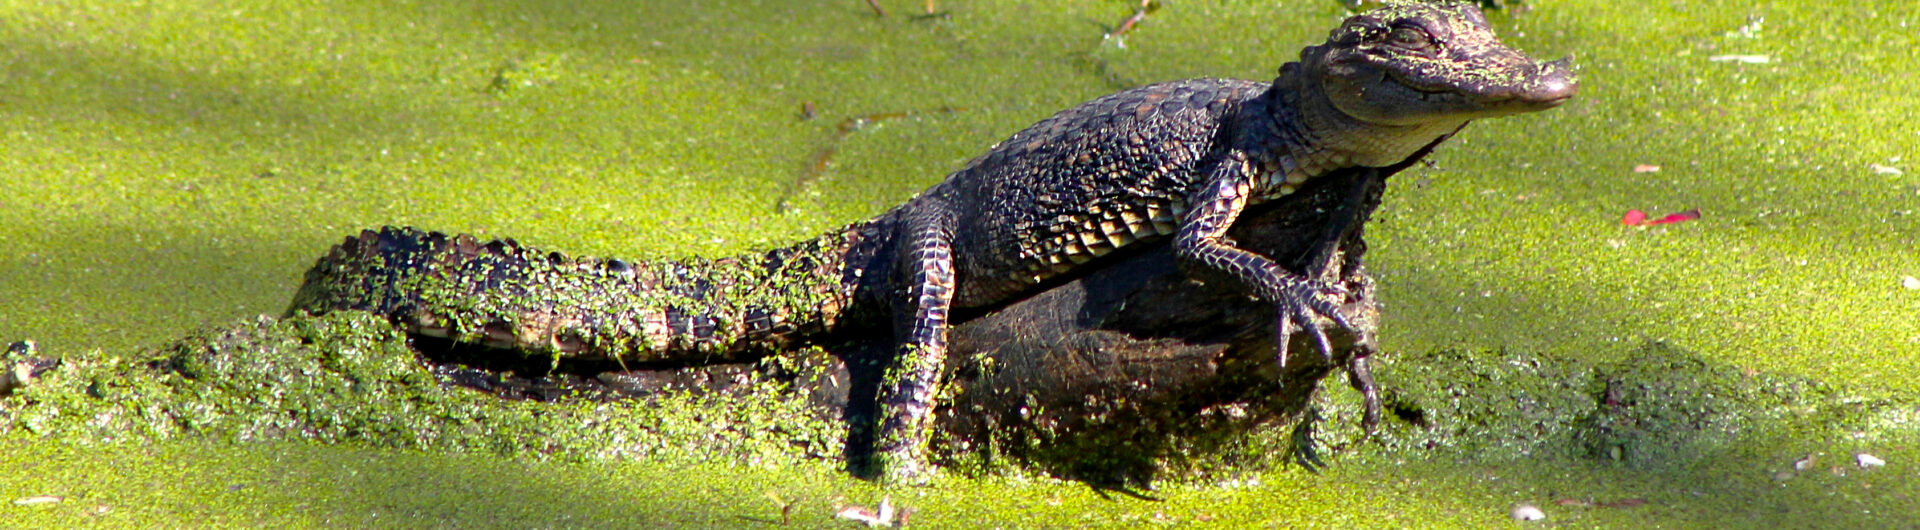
(1553, 83)
(1553, 91)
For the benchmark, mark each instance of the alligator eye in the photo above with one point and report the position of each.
(1409, 38)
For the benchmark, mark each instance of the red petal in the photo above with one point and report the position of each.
(1688, 215)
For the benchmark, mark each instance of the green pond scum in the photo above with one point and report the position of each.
(172, 168)
(352, 378)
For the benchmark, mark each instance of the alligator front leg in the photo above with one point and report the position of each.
(1201, 238)
(1326, 260)
(911, 383)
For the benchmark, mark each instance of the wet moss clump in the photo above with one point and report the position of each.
(351, 377)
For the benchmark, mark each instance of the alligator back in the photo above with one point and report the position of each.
(505, 295)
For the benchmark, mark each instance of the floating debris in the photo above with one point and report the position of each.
(1886, 170)
(1868, 461)
(1622, 503)
(786, 507)
(18, 367)
(1146, 6)
(1910, 282)
(1639, 218)
(1803, 464)
(1750, 30)
(1526, 512)
(37, 500)
(1646, 168)
(873, 518)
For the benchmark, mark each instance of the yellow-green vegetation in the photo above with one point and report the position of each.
(174, 165)
(350, 377)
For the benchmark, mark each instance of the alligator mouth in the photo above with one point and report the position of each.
(1402, 79)
(1542, 95)
(1427, 91)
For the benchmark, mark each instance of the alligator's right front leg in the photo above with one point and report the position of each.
(1222, 195)
(923, 291)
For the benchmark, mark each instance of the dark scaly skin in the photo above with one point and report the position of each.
(1180, 160)
(504, 295)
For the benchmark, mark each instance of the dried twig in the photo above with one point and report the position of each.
(823, 158)
(1146, 6)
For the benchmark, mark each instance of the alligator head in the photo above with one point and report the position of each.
(1423, 63)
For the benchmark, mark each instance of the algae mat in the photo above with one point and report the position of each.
(175, 165)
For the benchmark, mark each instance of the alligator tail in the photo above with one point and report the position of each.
(506, 295)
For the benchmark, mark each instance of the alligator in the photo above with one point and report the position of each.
(1166, 165)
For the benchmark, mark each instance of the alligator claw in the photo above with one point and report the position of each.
(1361, 377)
(1297, 311)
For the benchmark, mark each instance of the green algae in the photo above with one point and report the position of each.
(171, 164)
(1654, 425)
(1655, 407)
(1486, 456)
(351, 377)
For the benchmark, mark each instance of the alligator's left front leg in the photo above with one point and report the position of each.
(924, 294)
(1326, 260)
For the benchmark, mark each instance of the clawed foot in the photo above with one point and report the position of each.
(1301, 303)
(1297, 308)
(1361, 377)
